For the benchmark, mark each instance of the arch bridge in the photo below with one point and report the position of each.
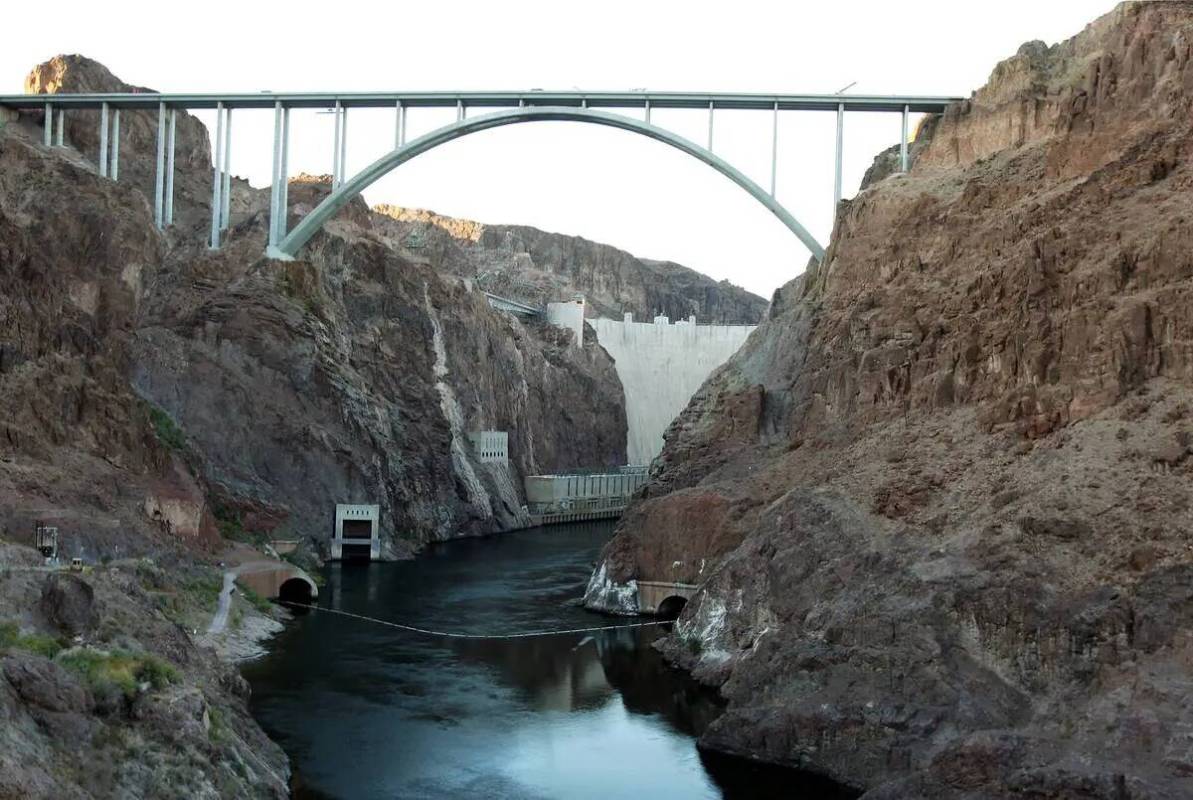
(628, 111)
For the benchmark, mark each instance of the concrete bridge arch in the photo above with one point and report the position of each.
(306, 228)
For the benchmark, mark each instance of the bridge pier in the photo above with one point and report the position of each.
(160, 172)
(168, 213)
(114, 167)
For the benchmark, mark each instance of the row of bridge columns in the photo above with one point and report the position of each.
(109, 156)
(53, 135)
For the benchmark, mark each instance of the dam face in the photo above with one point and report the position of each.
(661, 366)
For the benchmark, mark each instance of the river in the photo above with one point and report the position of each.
(365, 711)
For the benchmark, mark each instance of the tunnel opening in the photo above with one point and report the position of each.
(672, 607)
(295, 590)
(356, 552)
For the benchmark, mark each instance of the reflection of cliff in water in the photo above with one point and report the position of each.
(569, 673)
(649, 686)
(554, 673)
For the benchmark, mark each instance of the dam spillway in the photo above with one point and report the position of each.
(661, 365)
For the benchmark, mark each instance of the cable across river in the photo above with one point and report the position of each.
(457, 635)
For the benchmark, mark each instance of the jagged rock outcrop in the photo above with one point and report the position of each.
(354, 375)
(939, 506)
(138, 136)
(525, 263)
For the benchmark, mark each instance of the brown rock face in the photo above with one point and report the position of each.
(954, 461)
(282, 389)
(525, 263)
(72, 74)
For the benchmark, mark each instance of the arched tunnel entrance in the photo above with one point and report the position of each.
(295, 590)
(672, 607)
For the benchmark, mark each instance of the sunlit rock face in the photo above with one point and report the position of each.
(939, 503)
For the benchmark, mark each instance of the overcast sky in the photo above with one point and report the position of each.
(603, 184)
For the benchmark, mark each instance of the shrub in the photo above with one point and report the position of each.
(9, 633)
(258, 602)
(119, 670)
(36, 643)
(166, 429)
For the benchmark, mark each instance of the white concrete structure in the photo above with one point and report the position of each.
(661, 366)
(547, 494)
(491, 447)
(569, 315)
(358, 526)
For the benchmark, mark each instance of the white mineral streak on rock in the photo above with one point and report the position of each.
(477, 495)
(604, 594)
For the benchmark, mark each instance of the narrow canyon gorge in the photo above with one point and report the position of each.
(924, 515)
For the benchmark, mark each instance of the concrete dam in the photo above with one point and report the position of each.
(661, 365)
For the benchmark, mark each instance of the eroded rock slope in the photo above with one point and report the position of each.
(939, 506)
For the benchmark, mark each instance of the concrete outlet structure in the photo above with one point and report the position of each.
(491, 447)
(569, 315)
(357, 533)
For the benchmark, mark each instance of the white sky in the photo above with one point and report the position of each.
(607, 185)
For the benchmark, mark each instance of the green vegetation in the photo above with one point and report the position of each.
(166, 429)
(218, 729)
(230, 521)
(119, 670)
(36, 643)
(181, 598)
(258, 602)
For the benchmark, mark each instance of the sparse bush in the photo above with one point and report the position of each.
(119, 671)
(258, 602)
(36, 643)
(166, 429)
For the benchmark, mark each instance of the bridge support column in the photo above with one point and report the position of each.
(335, 148)
(710, 126)
(774, 148)
(226, 190)
(160, 175)
(103, 140)
(399, 124)
(47, 137)
(343, 144)
(284, 176)
(274, 187)
(837, 168)
(217, 176)
(60, 127)
(169, 199)
(903, 143)
(114, 167)
(648, 111)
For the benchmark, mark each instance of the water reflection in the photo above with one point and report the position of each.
(367, 711)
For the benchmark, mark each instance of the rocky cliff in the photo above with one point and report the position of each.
(525, 263)
(353, 375)
(939, 506)
(155, 394)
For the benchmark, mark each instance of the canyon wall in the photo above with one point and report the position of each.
(353, 375)
(537, 267)
(939, 506)
(661, 365)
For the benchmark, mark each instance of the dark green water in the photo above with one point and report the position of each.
(366, 711)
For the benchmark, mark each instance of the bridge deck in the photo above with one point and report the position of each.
(491, 99)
